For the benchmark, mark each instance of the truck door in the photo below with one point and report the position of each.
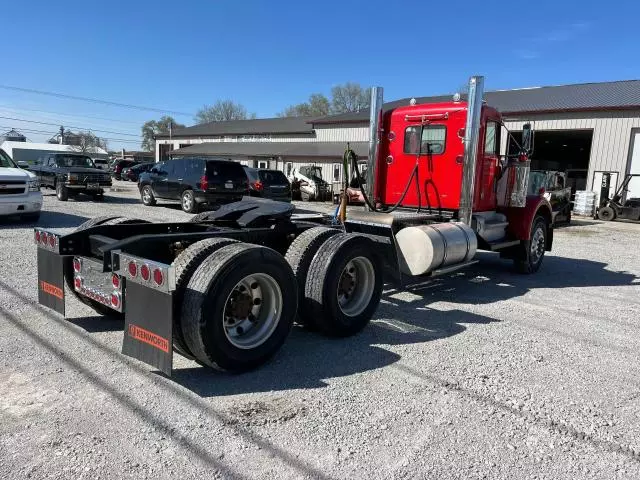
(485, 193)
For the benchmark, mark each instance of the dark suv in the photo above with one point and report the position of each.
(272, 184)
(195, 182)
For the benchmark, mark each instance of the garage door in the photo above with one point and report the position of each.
(634, 167)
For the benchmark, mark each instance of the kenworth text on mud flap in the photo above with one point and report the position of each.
(226, 287)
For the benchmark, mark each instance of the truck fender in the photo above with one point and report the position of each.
(521, 219)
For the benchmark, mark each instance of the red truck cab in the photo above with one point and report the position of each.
(431, 137)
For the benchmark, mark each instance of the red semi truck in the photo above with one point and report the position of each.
(225, 288)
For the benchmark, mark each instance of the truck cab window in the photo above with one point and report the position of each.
(490, 139)
(432, 142)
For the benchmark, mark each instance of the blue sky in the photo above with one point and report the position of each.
(270, 54)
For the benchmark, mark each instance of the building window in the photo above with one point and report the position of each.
(337, 168)
(263, 164)
(289, 168)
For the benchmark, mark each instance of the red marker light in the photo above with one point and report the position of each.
(115, 299)
(133, 269)
(158, 276)
(115, 281)
(52, 241)
(145, 272)
(78, 283)
(77, 265)
(37, 236)
(43, 238)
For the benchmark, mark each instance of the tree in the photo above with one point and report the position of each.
(350, 97)
(87, 142)
(316, 106)
(157, 127)
(221, 111)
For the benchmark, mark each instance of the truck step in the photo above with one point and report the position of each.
(500, 245)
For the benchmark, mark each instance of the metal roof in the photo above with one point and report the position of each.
(621, 95)
(259, 126)
(272, 149)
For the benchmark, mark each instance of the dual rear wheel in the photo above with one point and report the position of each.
(237, 302)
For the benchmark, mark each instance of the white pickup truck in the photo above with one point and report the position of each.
(19, 191)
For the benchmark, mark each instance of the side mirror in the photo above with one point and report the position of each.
(23, 164)
(527, 138)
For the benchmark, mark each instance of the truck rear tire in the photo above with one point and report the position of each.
(301, 253)
(531, 252)
(62, 192)
(344, 285)
(185, 264)
(239, 307)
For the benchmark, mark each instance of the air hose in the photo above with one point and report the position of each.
(350, 156)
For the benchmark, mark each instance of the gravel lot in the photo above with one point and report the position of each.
(485, 374)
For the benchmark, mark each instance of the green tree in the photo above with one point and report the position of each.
(157, 127)
(349, 97)
(316, 106)
(221, 111)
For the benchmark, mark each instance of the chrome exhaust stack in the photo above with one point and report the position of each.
(471, 141)
(375, 120)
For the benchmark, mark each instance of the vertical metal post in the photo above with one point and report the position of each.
(471, 141)
(375, 118)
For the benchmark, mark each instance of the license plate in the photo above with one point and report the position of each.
(93, 186)
(228, 185)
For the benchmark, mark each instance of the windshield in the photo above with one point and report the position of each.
(74, 161)
(5, 161)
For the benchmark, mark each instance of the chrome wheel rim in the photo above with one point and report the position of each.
(187, 201)
(252, 311)
(537, 245)
(146, 194)
(355, 286)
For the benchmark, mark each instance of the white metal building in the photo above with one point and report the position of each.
(583, 129)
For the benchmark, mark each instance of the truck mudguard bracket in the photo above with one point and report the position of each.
(148, 329)
(51, 280)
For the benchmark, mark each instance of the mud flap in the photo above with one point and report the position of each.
(51, 280)
(148, 329)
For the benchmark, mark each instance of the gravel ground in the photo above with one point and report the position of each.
(484, 374)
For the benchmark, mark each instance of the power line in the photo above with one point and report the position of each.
(78, 115)
(69, 126)
(92, 100)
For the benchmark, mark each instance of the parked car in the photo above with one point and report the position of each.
(70, 174)
(132, 173)
(119, 165)
(195, 182)
(272, 184)
(19, 190)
